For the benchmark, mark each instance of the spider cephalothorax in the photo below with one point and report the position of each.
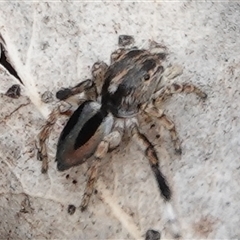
(131, 81)
(114, 97)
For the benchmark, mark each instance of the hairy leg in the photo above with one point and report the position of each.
(65, 93)
(109, 142)
(98, 73)
(154, 112)
(162, 183)
(44, 135)
(153, 161)
(90, 87)
(125, 43)
(173, 88)
(158, 49)
(91, 90)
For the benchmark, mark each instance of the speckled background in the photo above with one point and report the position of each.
(54, 45)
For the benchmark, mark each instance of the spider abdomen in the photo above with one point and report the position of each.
(82, 134)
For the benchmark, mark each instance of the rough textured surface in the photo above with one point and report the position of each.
(53, 45)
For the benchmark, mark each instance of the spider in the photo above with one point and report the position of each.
(114, 98)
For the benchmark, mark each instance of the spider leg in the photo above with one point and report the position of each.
(163, 92)
(87, 86)
(155, 112)
(153, 161)
(92, 176)
(170, 126)
(90, 87)
(98, 72)
(125, 43)
(158, 49)
(173, 88)
(111, 141)
(44, 135)
(162, 183)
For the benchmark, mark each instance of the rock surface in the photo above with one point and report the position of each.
(54, 45)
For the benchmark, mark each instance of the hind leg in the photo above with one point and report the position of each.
(111, 141)
(42, 154)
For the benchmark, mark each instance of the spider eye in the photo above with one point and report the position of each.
(146, 77)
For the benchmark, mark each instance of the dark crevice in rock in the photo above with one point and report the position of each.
(4, 62)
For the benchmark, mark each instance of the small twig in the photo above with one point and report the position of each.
(15, 110)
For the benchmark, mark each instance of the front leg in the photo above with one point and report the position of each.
(173, 88)
(44, 135)
(163, 92)
(86, 86)
(98, 72)
(90, 87)
(125, 43)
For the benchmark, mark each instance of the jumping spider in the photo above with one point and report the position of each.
(114, 98)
